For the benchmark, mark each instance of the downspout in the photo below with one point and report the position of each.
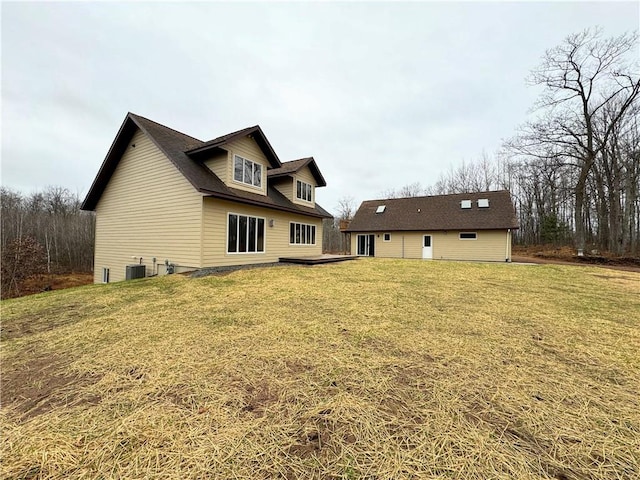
(507, 257)
(402, 246)
(202, 226)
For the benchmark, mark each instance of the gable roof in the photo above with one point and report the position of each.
(255, 132)
(174, 145)
(438, 212)
(294, 166)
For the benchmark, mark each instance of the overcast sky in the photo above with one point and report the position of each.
(381, 94)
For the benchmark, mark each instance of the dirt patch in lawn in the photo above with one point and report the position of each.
(44, 321)
(51, 281)
(567, 256)
(43, 384)
(558, 261)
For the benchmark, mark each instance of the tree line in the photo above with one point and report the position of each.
(573, 169)
(43, 232)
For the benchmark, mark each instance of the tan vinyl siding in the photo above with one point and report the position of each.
(284, 186)
(401, 245)
(219, 165)
(276, 237)
(246, 148)
(391, 249)
(413, 244)
(490, 245)
(304, 175)
(148, 209)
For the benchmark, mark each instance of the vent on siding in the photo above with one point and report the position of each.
(381, 208)
(135, 271)
(465, 204)
(483, 203)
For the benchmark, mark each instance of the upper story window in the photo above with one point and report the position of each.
(303, 191)
(246, 171)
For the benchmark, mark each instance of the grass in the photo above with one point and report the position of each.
(371, 369)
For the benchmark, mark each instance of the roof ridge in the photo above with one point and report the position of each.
(230, 134)
(438, 195)
(163, 126)
(298, 160)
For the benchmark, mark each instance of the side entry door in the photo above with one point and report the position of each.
(427, 247)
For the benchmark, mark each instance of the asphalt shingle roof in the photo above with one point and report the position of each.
(294, 166)
(254, 131)
(175, 146)
(439, 212)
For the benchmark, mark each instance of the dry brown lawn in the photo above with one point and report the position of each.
(371, 369)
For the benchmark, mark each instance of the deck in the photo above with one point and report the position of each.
(318, 259)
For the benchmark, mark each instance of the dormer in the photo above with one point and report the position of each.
(240, 159)
(297, 180)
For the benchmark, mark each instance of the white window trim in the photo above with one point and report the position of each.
(310, 187)
(472, 239)
(384, 239)
(315, 236)
(237, 240)
(250, 185)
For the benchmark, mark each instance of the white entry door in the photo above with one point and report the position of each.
(427, 248)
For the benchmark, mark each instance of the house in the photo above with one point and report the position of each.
(469, 226)
(173, 203)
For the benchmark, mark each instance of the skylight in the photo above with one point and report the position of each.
(380, 208)
(465, 204)
(483, 202)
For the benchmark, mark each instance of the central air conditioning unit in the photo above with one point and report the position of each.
(136, 271)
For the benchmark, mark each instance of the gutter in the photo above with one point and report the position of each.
(234, 198)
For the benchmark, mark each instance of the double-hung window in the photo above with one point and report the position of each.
(245, 234)
(247, 171)
(302, 234)
(303, 191)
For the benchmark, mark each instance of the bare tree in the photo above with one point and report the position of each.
(334, 240)
(346, 207)
(410, 190)
(21, 258)
(581, 77)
